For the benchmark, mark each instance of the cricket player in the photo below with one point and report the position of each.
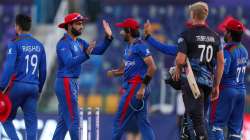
(202, 47)
(26, 66)
(137, 70)
(187, 128)
(186, 131)
(228, 109)
(71, 53)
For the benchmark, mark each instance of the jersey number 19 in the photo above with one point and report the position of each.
(31, 60)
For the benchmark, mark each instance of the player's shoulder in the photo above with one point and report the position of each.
(230, 47)
(206, 30)
(227, 53)
(14, 41)
(185, 32)
(11, 44)
(82, 41)
(213, 33)
(62, 41)
(140, 44)
(38, 42)
(244, 49)
(243, 46)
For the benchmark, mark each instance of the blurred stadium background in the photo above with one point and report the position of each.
(168, 18)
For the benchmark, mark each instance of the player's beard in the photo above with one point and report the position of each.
(226, 37)
(126, 38)
(76, 32)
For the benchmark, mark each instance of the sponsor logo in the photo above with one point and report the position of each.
(129, 63)
(180, 40)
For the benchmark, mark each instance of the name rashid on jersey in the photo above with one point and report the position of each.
(31, 48)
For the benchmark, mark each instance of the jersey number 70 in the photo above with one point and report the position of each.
(207, 51)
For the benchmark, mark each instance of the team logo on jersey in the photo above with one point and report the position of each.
(75, 48)
(10, 51)
(81, 46)
(147, 51)
(180, 40)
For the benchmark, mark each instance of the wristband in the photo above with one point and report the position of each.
(146, 80)
(109, 37)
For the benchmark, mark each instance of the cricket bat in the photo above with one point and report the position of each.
(191, 80)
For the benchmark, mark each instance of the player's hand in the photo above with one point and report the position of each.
(147, 28)
(176, 74)
(107, 28)
(215, 93)
(110, 73)
(92, 45)
(140, 93)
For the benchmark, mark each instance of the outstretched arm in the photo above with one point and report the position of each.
(65, 54)
(100, 49)
(164, 48)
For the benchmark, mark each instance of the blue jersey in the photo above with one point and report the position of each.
(134, 60)
(72, 53)
(26, 60)
(164, 48)
(236, 58)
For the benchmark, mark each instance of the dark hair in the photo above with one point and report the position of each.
(236, 35)
(66, 27)
(24, 22)
(134, 33)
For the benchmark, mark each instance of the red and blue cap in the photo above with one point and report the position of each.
(72, 17)
(129, 23)
(235, 25)
(230, 23)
